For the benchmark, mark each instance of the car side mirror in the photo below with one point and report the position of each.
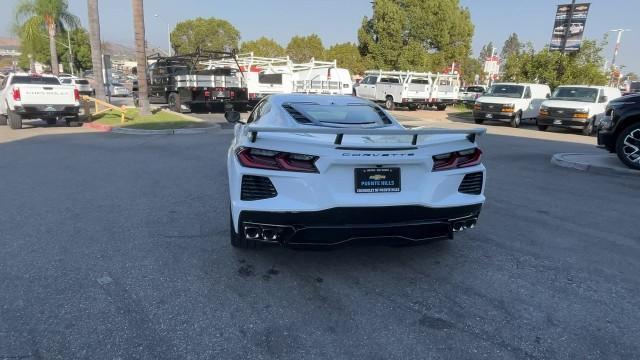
(603, 99)
(548, 96)
(232, 116)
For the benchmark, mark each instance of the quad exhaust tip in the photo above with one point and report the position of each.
(265, 233)
(464, 225)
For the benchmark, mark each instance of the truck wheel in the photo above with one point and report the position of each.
(3, 119)
(15, 120)
(441, 107)
(413, 107)
(478, 121)
(515, 120)
(543, 127)
(589, 127)
(238, 240)
(175, 103)
(628, 146)
(389, 104)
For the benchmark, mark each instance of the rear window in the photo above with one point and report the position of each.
(420, 81)
(270, 78)
(477, 89)
(337, 115)
(36, 80)
(82, 82)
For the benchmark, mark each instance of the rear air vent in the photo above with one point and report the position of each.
(256, 188)
(297, 115)
(471, 184)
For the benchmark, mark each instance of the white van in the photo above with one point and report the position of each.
(510, 102)
(576, 107)
(319, 77)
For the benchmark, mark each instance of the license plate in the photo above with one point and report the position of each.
(49, 108)
(489, 116)
(557, 122)
(377, 180)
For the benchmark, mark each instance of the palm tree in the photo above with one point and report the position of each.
(141, 56)
(48, 15)
(96, 48)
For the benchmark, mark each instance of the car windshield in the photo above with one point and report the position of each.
(36, 80)
(337, 115)
(511, 91)
(582, 94)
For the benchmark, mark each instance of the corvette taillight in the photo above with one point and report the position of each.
(276, 160)
(458, 159)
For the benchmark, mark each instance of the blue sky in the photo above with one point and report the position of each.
(338, 20)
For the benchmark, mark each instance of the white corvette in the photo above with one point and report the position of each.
(324, 170)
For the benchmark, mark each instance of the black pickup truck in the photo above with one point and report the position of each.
(619, 130)
(184, 81)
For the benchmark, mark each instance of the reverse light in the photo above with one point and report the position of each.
(16, 94)
(276, 160)
(457, 159)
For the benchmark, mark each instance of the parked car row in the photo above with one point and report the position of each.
(409, 89)
(569, 106)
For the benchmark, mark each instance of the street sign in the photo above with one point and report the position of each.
(568, 28)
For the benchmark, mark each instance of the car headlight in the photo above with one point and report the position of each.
(508, 107)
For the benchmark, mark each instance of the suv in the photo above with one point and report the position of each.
(619, 130)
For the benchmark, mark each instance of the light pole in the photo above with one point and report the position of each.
(616, 50)
(168, 33)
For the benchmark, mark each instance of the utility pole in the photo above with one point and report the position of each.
(567, 25)
(70, 53)
(616, 50)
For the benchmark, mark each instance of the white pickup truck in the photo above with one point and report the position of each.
(32, 96)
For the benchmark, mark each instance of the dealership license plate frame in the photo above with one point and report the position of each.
(378, 174)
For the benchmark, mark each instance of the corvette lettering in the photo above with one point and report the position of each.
(377, 155)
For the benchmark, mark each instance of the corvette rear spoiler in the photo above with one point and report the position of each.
(340, 132)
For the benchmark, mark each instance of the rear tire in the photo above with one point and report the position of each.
(389, 104)
(15, 120)
(515, 120)
(3, 119)
(175, 103)
(441, 107)
(238, 240)
(628, 146)
(478, 121)
(589, 127)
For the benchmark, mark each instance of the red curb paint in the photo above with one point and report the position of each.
(99, 127)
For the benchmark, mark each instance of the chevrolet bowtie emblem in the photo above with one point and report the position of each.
(377, 177)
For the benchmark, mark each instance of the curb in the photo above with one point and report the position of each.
(99, 127)
(565, 160)
(185, 116)
(164, 131)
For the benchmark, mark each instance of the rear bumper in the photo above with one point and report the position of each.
(571, 123)
(340, 225)
(39, 111)
(607, 139)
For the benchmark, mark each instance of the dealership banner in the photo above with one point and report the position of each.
(569, 25)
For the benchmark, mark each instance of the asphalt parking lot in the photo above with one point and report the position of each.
(116, 247)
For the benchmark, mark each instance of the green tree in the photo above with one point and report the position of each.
(416, 34)
(204, 34)
(553, 68)
(80, 50)
(347, 56)
(38, 17)
(486, 51)
(263, 47)
(511, 46)
(469, 68)
(303, 48)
